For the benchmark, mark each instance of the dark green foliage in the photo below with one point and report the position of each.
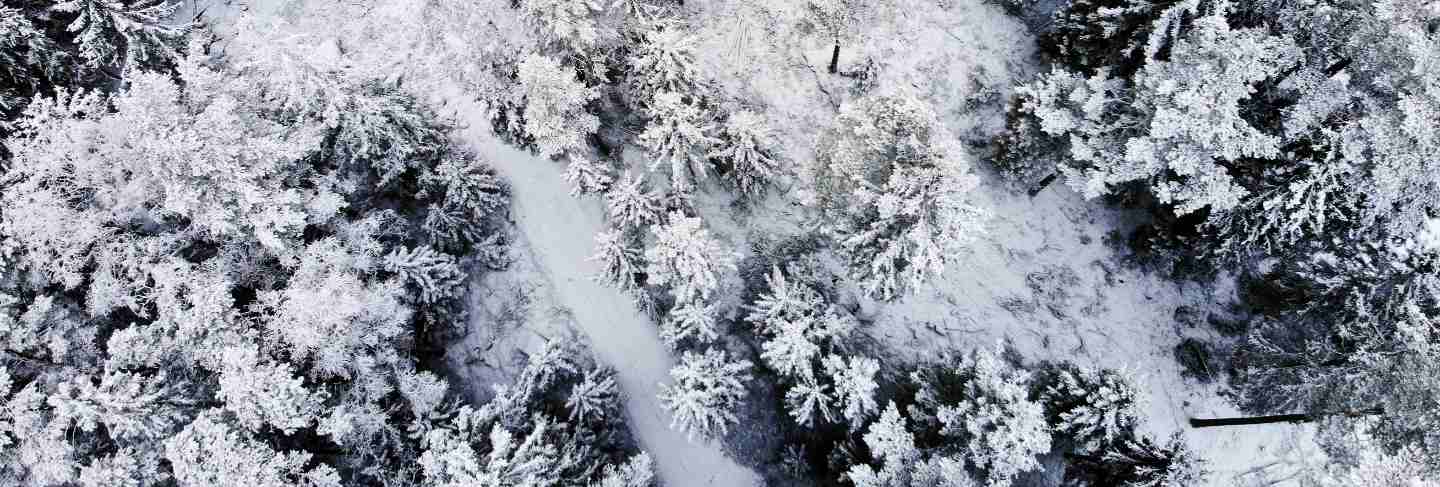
(1137, 463)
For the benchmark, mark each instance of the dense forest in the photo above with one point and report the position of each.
(239, 245)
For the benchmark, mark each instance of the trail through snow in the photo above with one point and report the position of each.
(561, 231)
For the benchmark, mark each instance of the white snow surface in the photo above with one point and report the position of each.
(561, 231)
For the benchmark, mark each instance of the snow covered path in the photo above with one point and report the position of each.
(561, 230)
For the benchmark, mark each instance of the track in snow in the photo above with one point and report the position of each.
(561, 231)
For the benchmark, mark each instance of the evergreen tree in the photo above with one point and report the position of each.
(979, 408)
(686, 260)
(587, 176)
(123, 33)
(663, 63)
(708, 388)
(631, 205)
(892, 188)
(678, 137)
(1138, 463)
(555, 115)
(1091, 406)
(746, 143)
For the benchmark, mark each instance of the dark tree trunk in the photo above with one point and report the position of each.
(1044, 183)
(1278, 418)
(835, 58)
(1334, 69)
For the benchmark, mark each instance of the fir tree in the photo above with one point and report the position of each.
(678, 137)
(708, 388)
(686, 259)
(892, 188)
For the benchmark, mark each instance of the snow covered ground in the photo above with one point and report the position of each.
(1045, 280)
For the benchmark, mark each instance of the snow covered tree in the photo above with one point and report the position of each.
(980, 407)
(1092, 406)
(208, 452)
(708, 388)
(746, 143)
(1138, 463)
(556, 119)
(809, 401)
(1405, 467)
(472, 196)
(686, 259)
(512, 440)
(30, 60)
(595, 397)
(691, 321)
(638, 472)
(631, 205)
(678, 137)
(450, 460)
(387, 129)
(803, 337)
(855, 386)
(329, 318)
(435, 274)
(840, 21)
(1156, 133)
(571, 23)
(190, 175)
(586, 175)
(114, 33)
(266, 393)
(663, 63)
(893, 188)
(902, 462)
(619, 260)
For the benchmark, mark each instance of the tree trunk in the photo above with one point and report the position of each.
(1044, 183)
(1278, 418)
(835, 58)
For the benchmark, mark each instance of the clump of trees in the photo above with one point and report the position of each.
(1268, 131)
(237, 271)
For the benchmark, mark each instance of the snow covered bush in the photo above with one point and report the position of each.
(686, 260)
(893, 188)
(979, 407)
(707, 389)
(1091, 406)
(556, 119)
